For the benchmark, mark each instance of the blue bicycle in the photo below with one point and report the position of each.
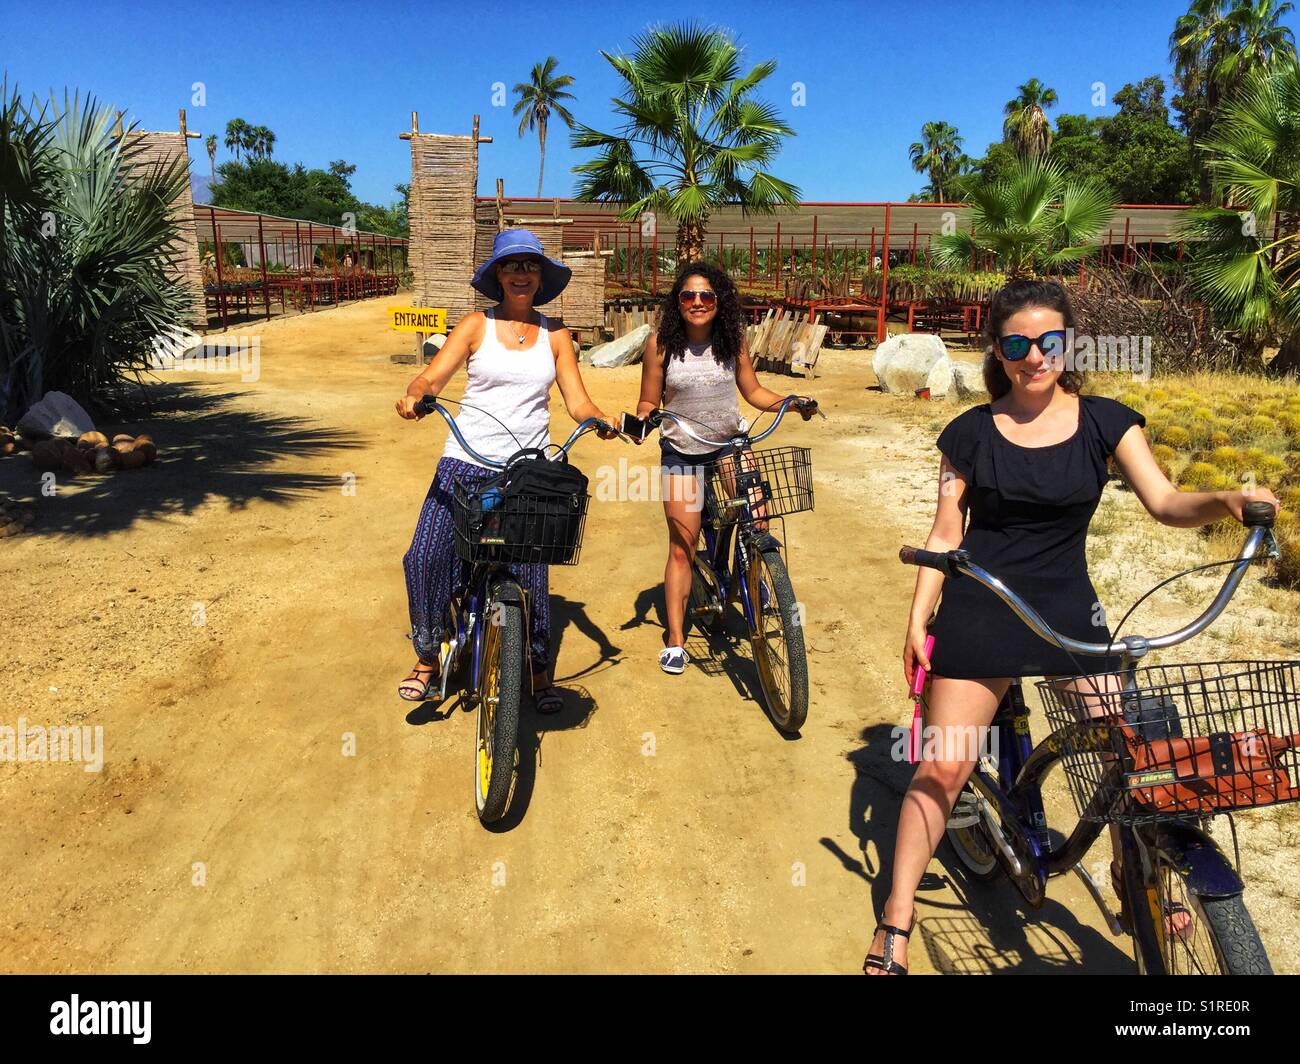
(486, 625)
(744, 490)
(1156, 751)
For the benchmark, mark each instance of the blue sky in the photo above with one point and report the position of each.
(337, 80)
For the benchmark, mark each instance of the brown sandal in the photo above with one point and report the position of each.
(414, 689)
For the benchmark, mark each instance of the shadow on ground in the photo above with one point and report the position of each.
(209, 450)
(989, 929)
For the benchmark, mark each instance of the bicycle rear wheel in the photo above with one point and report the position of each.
(970, 841)
(1219, 939)
(500, 693)
(777, 640)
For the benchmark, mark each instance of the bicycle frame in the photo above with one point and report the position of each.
(1016, 790)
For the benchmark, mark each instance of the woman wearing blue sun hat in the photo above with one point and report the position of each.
(512, 356)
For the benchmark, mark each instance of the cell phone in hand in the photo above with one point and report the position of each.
(635, 427)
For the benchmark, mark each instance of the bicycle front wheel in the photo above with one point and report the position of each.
(500, 693)
(777, 639)
(1205, 936)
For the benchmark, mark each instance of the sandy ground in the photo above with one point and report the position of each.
(234, 618)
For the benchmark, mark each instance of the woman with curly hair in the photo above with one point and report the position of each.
(694, 366)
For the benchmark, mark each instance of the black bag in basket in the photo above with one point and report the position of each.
(539, 506)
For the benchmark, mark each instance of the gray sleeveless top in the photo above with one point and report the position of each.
(703, 392)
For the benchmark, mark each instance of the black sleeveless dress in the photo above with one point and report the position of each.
(1029, 509)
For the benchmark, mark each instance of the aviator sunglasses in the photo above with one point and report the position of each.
(1016, 347)
(686, 297)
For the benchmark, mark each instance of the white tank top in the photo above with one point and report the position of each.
(514, 387)
(701, 390)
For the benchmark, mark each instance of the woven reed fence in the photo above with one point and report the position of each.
(582, 306)
(443, 251)
(159, 150)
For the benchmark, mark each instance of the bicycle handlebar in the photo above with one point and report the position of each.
(1258, 517)
(656, 416)
(430, 403)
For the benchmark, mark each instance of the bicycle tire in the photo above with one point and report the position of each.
(975, 851)
(1226, 925)
(706, 606)
(788, 708)
(501, 692)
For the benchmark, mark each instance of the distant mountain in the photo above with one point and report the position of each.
(199, 186)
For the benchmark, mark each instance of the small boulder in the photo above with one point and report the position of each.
(624, 351)
(968, 381)
(58, 414)
(913, 363)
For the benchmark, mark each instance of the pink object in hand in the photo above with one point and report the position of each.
(918, 685)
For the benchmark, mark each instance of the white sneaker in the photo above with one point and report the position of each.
(673, 659)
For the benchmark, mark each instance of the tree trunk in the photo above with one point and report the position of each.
(1287, 362)
(690, 242)
(541, 136)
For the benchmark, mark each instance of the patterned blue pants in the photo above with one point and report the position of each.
(433, 570)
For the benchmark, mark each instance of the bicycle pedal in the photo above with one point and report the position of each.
(965, 813)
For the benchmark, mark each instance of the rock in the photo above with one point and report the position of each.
(57, 414)
(621, 352)
(911, 362)
(968, 381)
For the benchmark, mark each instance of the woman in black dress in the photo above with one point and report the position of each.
(1027, 470)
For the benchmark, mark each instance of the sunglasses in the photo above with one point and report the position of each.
(1016, 347)
(520, 266)
(686, 297)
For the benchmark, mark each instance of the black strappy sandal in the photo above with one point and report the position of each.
(886, 963)
(414, 688)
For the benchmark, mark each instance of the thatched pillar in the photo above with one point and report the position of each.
(160, 149)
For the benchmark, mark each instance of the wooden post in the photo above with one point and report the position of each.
(881, 328)
(501, 205)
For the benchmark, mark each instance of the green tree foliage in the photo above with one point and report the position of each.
(270, 187)
(539, 98)
(693, 136)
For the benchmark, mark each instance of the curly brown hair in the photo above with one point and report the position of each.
(1013, 297)
(728, 337)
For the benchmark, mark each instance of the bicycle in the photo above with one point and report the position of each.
(1157, 751)
(743, 489)
(486, 624)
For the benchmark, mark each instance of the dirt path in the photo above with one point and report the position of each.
(662, 823)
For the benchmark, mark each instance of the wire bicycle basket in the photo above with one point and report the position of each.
(517, 527)
(1196, 739)
(773, 482)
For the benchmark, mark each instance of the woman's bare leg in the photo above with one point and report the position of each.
(955, 706)
(682, 511)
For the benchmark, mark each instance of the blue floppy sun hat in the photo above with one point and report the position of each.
(555, 275)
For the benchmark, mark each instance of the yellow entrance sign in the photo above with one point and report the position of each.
(418, 319)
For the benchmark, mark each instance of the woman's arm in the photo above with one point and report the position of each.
(754, 393)
(652, 378)
(1164, 502)
(431, 380)
(945, 535)
(569, 378)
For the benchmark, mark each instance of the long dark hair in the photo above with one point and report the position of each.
(728, 337)
(1015, 297)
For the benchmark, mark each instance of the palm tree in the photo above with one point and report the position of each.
(937, 153)
(538, 98)
(1031, 220)
(694, 136)
(1026, 126)
(1213, 48)
(259, 141)
(1257, 37)
(236, 136)
(81, 305)
(268, 142)
(1247, 264)
(211, 144)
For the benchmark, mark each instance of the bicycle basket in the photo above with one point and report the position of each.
(504, 522)
(1184, 740)
(772, 482)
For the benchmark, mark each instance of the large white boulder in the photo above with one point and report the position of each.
(917, 360)
(968, 381)
(58, 414)
(624, 351)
